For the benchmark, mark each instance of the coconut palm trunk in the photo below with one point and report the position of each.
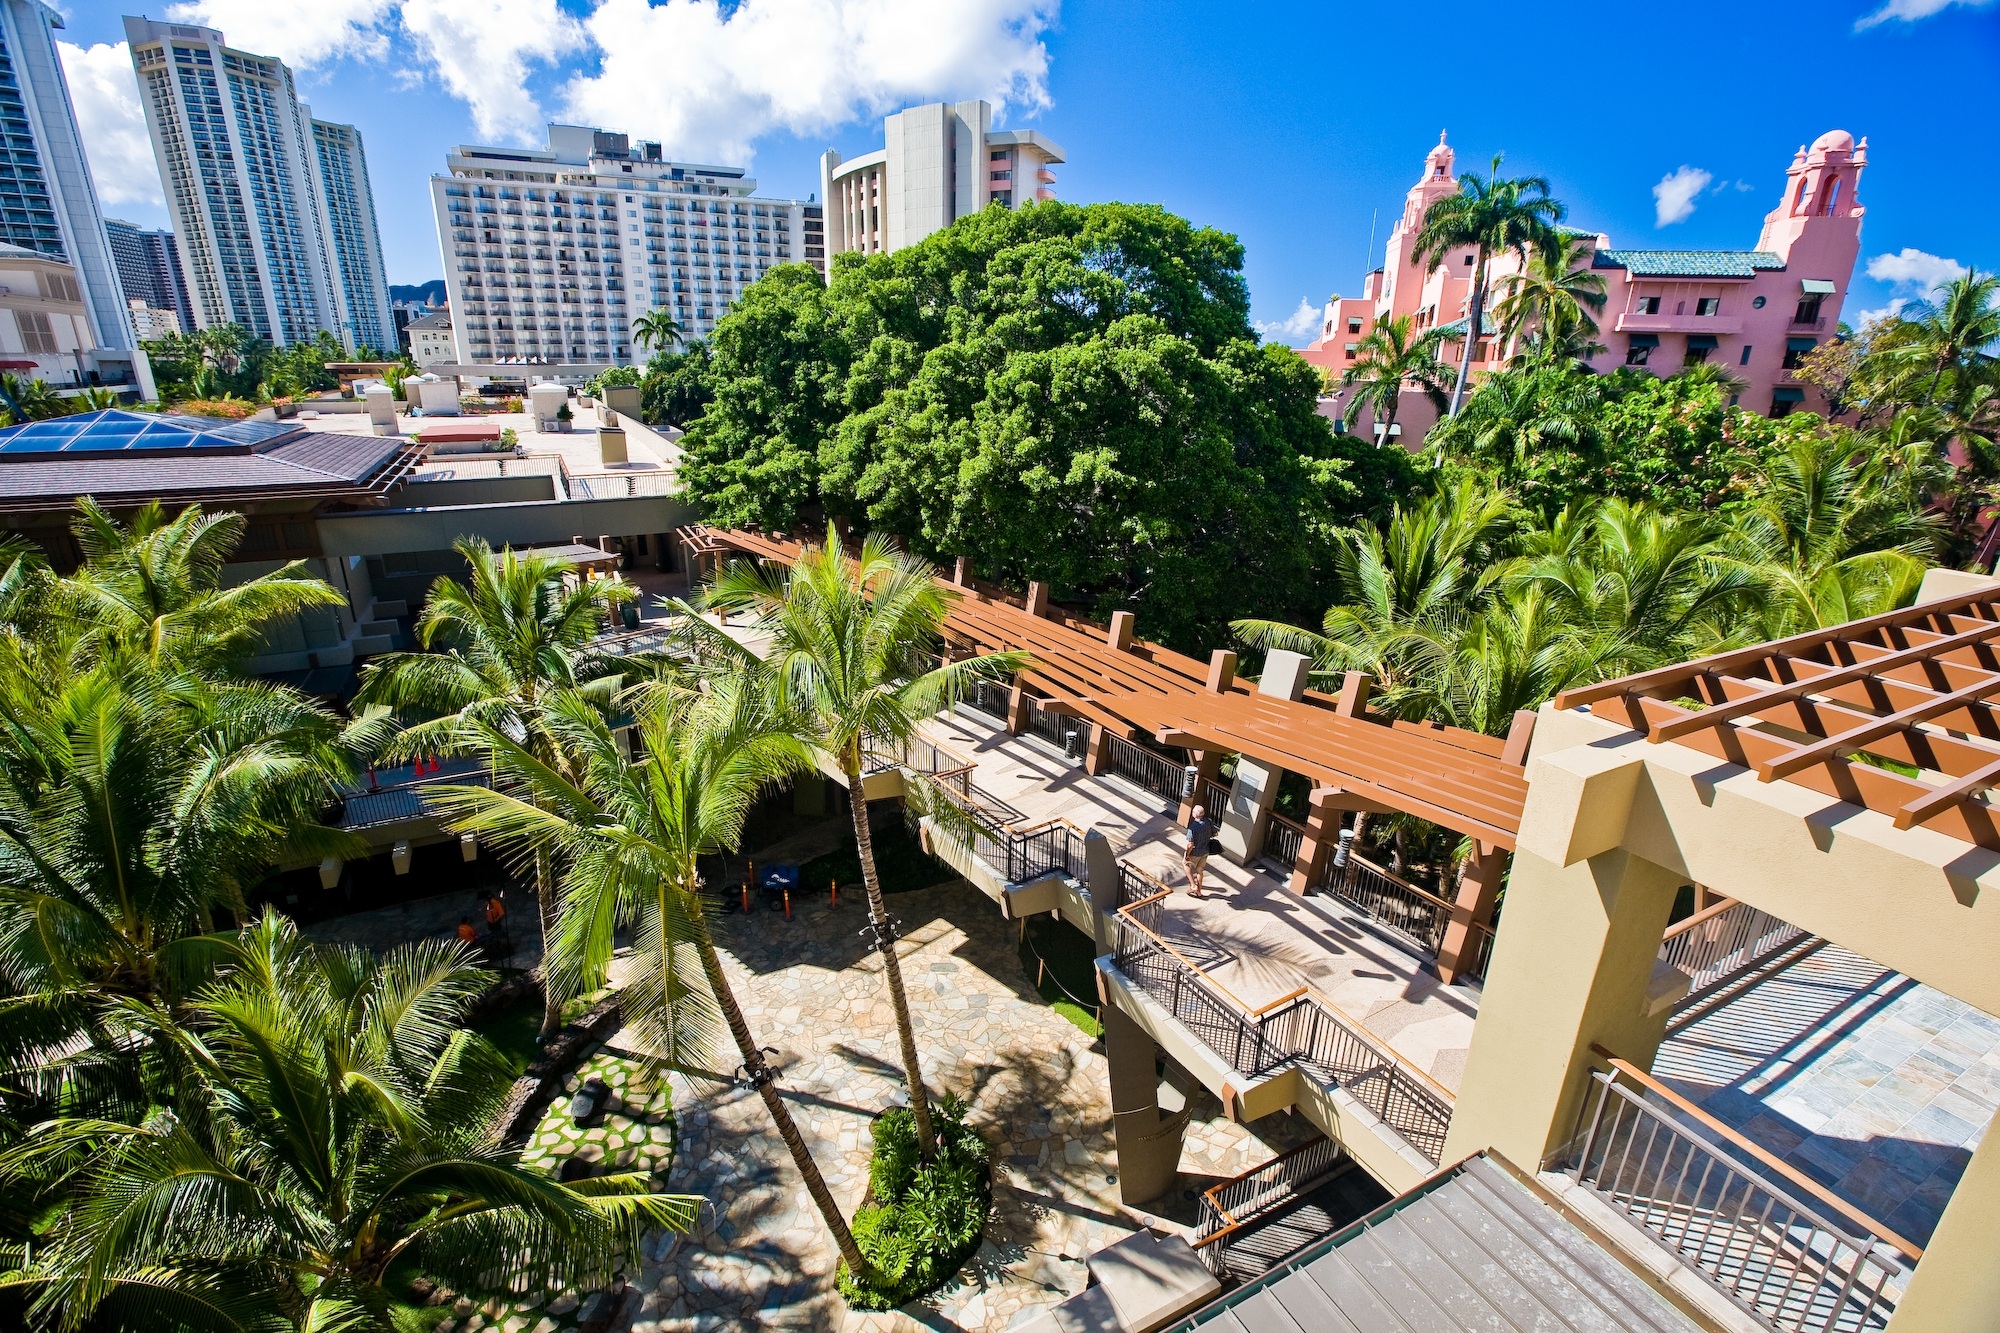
(878, 920)
(765, 1080)
(1474, 317)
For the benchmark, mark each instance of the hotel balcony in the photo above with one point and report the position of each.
(1721, 326)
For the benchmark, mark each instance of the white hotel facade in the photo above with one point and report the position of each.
(551, 256)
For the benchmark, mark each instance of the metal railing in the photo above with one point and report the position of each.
(990, 699)
(1716, 944)
(1283, 840)
(1057, 728)
(1145, 768)
(1214, 798)
(619, 486)
(1707, 1200)
(1294, 1028)
(1226, 1209)
(366, 809)
(1387, 898)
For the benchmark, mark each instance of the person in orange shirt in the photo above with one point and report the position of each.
(466, 932)
(496, 911)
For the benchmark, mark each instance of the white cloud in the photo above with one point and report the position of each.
(802, 66)
(1302, 325)
(106, 96)
(1909, 11)
(1674, 196)
(1913, 271)
(481, 50)
(1889, 311)
(301, 35)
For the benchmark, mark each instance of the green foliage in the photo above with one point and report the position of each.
(675, 389)
(224, 361)
(925, 1220)
(1064, 393)
(614, 377)
(900, 862)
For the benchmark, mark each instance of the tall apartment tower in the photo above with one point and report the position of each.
(261, 209)
(553, 255)
(937, 164)
(47, 201)
(361, 280)
(149, 268)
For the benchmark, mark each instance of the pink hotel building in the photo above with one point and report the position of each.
(1754, 311)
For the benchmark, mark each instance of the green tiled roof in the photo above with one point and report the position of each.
(1688, 263)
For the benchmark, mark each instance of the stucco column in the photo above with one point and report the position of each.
(1573, 966)
(1956, 1288)
(1148, 1142)
(1100, 877)
(1256, 785)
(1208, 766)
(1323, 819)
(1018, 704)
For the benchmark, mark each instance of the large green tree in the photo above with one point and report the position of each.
(1065, 393)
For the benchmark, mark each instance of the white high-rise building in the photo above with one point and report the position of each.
(553, 255)
(937, 164)
(47, 201)
(271, 208)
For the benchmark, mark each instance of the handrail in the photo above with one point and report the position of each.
(1705, 915)
(1261, 1010)
(1184, 960)
(1402, 883)
(1737, 1141)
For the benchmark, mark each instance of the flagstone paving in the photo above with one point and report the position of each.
(1036, 1084)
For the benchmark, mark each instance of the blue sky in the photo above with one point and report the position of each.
(1291, 125)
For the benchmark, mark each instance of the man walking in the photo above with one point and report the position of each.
(1195, 856)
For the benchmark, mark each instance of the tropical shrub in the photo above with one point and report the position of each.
(925, 1220)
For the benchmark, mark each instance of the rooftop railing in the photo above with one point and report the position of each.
(1296, 1028)
(1784, 1248)
(1145, 768)
(1409, 909)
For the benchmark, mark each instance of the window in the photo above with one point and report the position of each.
(1786, 401)
(1646, 305)
(1808, 311)
(997, 155)
(1468, 260)
(1796, 350)
(1744, 360)
(1757, 303)
(1832, 197)
(1698, 348)
(1708, 305)
(1640, 348)
(1354, 323)
(1352, 348)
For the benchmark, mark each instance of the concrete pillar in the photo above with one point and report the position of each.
(399, 857)
(1256, 785)
(1038, 599)
(1100, 877)
(1574, 967)
(468, 846)
(1148, 1143)
(1956, 1288)
(1120, 637)
(1478, 890)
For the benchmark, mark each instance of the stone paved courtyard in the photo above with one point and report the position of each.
(760, 1257)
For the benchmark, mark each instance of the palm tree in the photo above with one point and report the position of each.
(1555, 292)
(153, 587)
(1386, 361)
(850, 641)
(1518, 416)
(510, 636)
(1400, 584)
(631, 835)
(657, 330)
(1956, 328)
(1490, 214)
(135, 807)
(337, 1121)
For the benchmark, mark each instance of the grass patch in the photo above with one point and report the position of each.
(924, 1220)
(900, 863)
(1061, 965)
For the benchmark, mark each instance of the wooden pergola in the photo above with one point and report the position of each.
(1469, 783)
(1895, 713)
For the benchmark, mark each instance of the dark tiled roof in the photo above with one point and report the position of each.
(437, 319)
(1688, 263)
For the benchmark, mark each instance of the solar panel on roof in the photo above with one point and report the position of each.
(113, 431)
